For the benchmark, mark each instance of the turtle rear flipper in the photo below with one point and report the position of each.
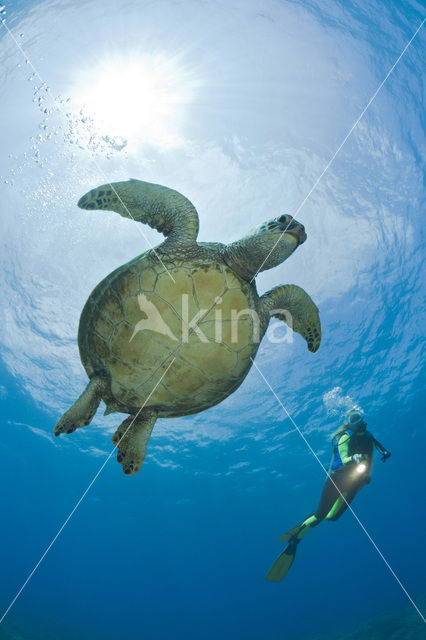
(131, 439)
(82, 411)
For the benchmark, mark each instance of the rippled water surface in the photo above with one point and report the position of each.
(242, 107)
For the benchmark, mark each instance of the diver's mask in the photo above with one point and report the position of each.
(354, 419)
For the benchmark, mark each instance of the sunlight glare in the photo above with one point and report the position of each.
(138, 99)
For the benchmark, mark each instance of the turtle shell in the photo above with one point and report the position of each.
(193, 323)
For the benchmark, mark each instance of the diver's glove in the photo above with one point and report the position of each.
(357, 457)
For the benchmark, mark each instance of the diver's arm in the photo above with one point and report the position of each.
(343, 448)
(382, 450)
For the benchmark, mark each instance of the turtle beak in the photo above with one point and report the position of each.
(293, 227)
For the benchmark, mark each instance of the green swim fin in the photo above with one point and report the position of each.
(282, 564)
(291, 532)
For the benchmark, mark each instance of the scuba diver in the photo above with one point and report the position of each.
(351, 464)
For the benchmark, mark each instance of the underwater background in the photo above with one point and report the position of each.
(240, 106)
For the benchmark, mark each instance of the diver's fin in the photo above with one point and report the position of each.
(291, 532)
(282, 564)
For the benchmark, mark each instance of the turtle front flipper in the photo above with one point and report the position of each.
(83, 409)
(292, 305)
(131, 439)
(163, 209)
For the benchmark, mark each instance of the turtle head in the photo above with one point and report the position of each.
(265, 246)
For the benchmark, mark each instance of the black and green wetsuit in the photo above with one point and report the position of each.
(349, 471)
(343, 481)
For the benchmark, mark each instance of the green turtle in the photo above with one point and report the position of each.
(174, 331)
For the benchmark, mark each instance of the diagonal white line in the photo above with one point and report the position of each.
(95, 162)
(333, 157)
(347, 503)
(80, 499)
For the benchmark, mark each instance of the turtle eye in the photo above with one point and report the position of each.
(283, 219)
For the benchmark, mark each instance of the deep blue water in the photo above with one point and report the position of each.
(181, 549)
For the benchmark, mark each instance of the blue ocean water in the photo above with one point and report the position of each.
(256, 97)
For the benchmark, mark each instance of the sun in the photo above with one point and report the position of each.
(139, 99)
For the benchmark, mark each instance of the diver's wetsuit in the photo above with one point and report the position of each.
(348, 473)
(343, 482)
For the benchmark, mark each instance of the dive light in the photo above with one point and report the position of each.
(361, 468)
(361, 465)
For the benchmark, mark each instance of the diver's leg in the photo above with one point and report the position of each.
(330, 494)
(308, 524)
(131, 439)
(342, 503)
(85, 407)
(338, 508)
(285, 560)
